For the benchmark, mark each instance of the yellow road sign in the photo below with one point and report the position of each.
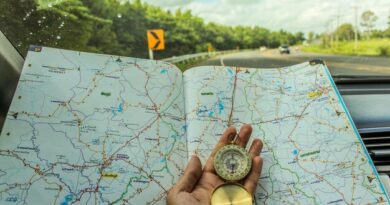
(156, 39)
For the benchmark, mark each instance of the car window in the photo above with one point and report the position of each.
(353, 32)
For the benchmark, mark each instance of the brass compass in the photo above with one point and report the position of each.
(232, 163)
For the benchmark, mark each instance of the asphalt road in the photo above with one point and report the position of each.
(338, 65)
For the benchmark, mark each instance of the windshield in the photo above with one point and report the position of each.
(353, 36)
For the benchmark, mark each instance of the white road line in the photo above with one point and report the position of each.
(222, 63)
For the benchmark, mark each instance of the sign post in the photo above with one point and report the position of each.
(155, 41)
(151, 57)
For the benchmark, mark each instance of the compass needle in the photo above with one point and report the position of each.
(232, 162)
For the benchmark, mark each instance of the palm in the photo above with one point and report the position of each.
(202, 192)
(197, 184)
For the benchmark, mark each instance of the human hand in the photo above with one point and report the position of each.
(197, 185)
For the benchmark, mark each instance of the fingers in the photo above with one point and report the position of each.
(255, 148)
(244, 135)
(226, 137)
(250, 182)
(229, 132)
(191, 175)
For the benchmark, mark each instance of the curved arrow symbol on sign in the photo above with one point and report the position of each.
(157, 40)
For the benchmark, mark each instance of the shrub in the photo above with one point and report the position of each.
(384, 50)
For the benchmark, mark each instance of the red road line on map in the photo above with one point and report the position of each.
(233, 94)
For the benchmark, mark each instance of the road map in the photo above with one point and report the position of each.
(98, 129)
(92, 129)
(312, 151)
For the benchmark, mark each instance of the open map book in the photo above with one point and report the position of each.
(97, 129)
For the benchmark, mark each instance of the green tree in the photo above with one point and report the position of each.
(345, 32)
(274, 39)
(386, 33)
(17, 20)
(325, 40)
(219, 37)
(299, 37)
(376, 33)
(119, 27)
(368, 20)
(104, 38)
(130, 26)
(310, 37)
(184, 36)
(56, 25)
(388, 21)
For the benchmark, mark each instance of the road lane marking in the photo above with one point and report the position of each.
(348, 64)
(221, 60)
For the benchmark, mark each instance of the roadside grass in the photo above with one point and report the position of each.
(373, 47)
(183, 66)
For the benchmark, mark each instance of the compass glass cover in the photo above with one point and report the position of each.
(232, 163)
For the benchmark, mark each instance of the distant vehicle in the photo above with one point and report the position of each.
(284, 49)
(263, 48)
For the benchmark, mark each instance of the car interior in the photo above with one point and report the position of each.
(367, 99)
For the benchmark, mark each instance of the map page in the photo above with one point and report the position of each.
(92, 129)
(312, 151)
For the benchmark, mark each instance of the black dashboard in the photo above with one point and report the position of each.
(369, 105)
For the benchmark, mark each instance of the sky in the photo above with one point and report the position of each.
(291, 15)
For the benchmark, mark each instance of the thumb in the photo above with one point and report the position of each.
(191, 175)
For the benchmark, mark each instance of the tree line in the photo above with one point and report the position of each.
(346, 31)
(113, 27)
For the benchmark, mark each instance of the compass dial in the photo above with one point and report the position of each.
(232, 162)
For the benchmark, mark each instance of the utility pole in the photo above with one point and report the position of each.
(337, 26)
(331, 32)
(356, 28)
(388, 21)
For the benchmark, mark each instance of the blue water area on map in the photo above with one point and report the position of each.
(295, 152)
(11, 199)
(174, 137)
(67, 199)
(185, 127)
(113, 111)
(120, 108)
(95, 141)
(164, 71)
(287, 88)
(202, 109)
(211, 113)
(230, 72)
(221, 106)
